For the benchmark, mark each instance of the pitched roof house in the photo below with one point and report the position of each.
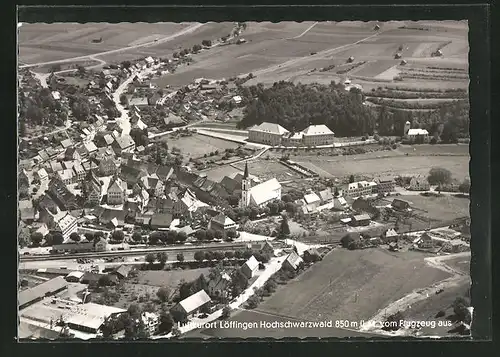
(292, 261)
(222, 223)
(250, 267)
(192, 304)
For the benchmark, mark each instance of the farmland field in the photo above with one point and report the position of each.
(374, 68)
(48, 42)
(387, 163)
(197, 145)
(352, 285)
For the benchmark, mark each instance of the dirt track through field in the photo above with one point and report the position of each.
(402, 304)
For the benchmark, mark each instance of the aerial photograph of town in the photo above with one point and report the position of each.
(243, 180)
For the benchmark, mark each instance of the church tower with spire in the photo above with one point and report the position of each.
(245, 188)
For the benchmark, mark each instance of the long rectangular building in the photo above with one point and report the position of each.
(37, 293)
(275, 135)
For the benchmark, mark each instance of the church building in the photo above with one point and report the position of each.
(259, 195)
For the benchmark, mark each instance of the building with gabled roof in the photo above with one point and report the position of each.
(231, 185)
(250, 267)
(219, 285)
(316, 135)
(123, 144)
(413, 133)
(107, 167)
(54, 166)
(312, 201)
(123, 271)
(360, 220)
(385, 184)
(117, 190)
(161, 221)
(92, 189)
(66, 143)
(267, 133)
(292, 261)
(71, 153)
(66, 176)
(60, 194)
(360, 188)
(153, 184)
(400, 205)
(42, 174)
(90, 147)
(27, 211)
(222, 223)
(190, 305)
(326, 196)
(267, 248)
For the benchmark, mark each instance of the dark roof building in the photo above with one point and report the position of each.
(231, 185)
(160, 220)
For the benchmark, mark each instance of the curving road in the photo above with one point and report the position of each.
(123, 49)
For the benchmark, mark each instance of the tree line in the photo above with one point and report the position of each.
(296, 106)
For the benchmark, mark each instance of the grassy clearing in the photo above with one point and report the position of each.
(268, 169)
(352, 285)
(197, 145)
(218, 173)
(171, 279)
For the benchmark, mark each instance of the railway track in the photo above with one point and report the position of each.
(133, 252)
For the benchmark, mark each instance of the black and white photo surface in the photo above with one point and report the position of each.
(248, 179)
